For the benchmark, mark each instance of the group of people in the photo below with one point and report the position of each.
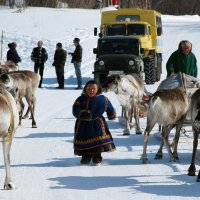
(92, 135)
(39, 56)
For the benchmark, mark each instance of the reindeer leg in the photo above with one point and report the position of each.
(27, 112)
(198, 177)
(159, 154)
(8, 185)
(131, 124)
(32, 115)
(33, 106)
(176, 139)
(34, 102)
(137, 120)
(192, 168)
(165, 135)
(127, 119)
(150, 125)
(20, 106)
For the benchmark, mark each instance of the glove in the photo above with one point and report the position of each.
(85, 115)
(111, 117)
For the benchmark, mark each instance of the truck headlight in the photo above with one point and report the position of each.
(131, 62)
(101, 62)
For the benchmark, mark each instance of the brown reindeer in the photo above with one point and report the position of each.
(195, 108)
(167, 108)
(7, 66)
(129, 90)
(9, 121)
(24, 84)
(35, 79)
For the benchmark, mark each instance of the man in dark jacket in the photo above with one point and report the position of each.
(60, 57)
(76, 60)
(182, 60)
(12, 53)
(39, 56)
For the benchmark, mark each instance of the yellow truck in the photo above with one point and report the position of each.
(144, 25)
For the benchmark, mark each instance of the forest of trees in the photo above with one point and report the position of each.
(172, 7)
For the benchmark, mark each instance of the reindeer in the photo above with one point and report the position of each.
(195, 108)
(129, 90)
(9, 121)
(167, 108)
(7, 66)
(26, 89)
(35, 79)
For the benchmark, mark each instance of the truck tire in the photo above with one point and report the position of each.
(159, 68)
(149, 70)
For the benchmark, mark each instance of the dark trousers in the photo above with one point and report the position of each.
(198, 116)
(39, 67)
(60, 75)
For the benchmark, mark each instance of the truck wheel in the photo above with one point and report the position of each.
(159, 68)
(149, 70)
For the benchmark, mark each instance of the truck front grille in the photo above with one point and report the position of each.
(116, 65)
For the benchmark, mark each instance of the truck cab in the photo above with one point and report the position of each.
(117, 55)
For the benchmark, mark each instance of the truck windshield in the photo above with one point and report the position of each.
(136, 29)
(116, 46)
(116, 29)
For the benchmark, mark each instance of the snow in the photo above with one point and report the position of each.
(43, 165)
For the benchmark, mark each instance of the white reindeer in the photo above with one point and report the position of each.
(129, 90)
(9, 121)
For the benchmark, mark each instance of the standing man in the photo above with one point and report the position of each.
(76, 60)
(39, 56)
(60, 57)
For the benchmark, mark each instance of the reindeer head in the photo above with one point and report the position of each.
(6, 82)
(111, 83)
(4, 79)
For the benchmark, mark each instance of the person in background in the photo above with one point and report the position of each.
(60, 57)
(76, 60)
(92, 135)
(39, 56)
(12, 53)
(182, 60)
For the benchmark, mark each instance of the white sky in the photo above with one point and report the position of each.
(43, 166)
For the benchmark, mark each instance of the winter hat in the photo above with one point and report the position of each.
(14, 44)
(77, 40)
(59, 45)
(10, 45)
